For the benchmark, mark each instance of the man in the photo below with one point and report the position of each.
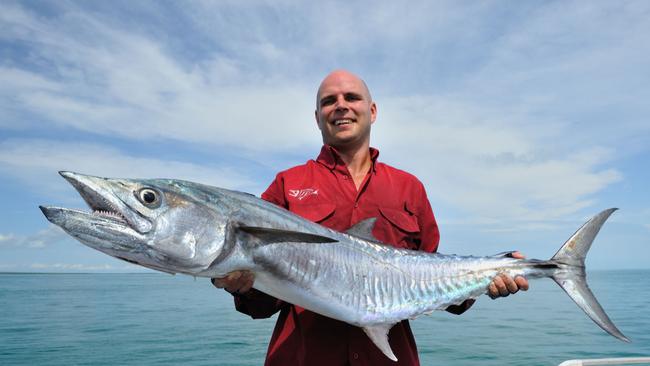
(344, 185)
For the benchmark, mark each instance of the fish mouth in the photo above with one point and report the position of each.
(104, 204)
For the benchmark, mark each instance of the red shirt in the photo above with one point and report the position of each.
(323, 191)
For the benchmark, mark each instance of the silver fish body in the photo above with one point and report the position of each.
(183, 227)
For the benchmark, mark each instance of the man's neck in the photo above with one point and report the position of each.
(357, 160)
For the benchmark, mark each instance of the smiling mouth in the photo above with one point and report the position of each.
(342, 122)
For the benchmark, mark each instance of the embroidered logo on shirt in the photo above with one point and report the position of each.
(302, 193)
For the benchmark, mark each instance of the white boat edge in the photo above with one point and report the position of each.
(607, 361)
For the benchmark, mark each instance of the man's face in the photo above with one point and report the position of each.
(344, 110)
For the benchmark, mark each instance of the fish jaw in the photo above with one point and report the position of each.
(110, 235)
(112, 226)
(103, 196)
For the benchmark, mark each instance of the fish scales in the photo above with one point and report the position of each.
(404, 285)
(177, 226)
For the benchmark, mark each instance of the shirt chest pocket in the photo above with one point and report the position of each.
(315, 212)
(398, 227)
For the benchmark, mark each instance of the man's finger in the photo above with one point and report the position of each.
(247, 281)
(247, 287)
(493, 292)
(511, 286)
(502, 289)
(217, 282)
(227, 281)
(522, 283)
(232, 289)
(232, 276)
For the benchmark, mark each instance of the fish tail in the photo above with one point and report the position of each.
(570, 273)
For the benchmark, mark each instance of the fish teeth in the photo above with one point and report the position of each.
(111, 214)
(109, 210)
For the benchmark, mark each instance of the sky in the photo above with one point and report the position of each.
(522, 119)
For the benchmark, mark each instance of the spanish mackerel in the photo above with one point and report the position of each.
(178, 226)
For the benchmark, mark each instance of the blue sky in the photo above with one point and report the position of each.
(522, 119)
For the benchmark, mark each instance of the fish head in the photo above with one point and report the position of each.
(157, 223)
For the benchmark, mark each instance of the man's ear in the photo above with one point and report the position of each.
(316, 117)
(373, 112)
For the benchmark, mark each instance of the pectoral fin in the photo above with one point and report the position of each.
(379, 336)
(268, 235)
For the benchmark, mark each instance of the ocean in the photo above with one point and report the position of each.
(159, 319)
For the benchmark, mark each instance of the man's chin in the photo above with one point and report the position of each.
(347, 138)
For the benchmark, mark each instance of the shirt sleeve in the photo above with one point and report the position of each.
(275, 192)
(430, 235)
(256, 303)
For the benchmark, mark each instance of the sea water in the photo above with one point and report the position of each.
(158, 319)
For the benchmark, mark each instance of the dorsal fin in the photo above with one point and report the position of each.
(268, 235)
(363, 229)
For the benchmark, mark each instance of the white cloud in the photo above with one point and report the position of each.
(48, 236)
(37, 161)
(18, 79)
(4, 238)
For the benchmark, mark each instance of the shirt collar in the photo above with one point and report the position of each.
(331, 158)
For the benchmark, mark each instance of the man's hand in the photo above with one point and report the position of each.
(236, 282)
(504, 285)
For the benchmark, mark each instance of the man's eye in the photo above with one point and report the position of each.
(352, 97)
(327, 101)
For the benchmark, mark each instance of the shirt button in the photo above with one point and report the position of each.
(355, 356)
(356, 204)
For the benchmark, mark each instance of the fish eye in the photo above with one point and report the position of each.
(149, 197)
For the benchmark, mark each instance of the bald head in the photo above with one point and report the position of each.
(345, 111)
(342, 77)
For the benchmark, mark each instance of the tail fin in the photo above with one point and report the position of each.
(571, 274)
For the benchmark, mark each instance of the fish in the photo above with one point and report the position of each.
(178, 226)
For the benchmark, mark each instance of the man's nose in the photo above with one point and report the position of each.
(341, 103)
